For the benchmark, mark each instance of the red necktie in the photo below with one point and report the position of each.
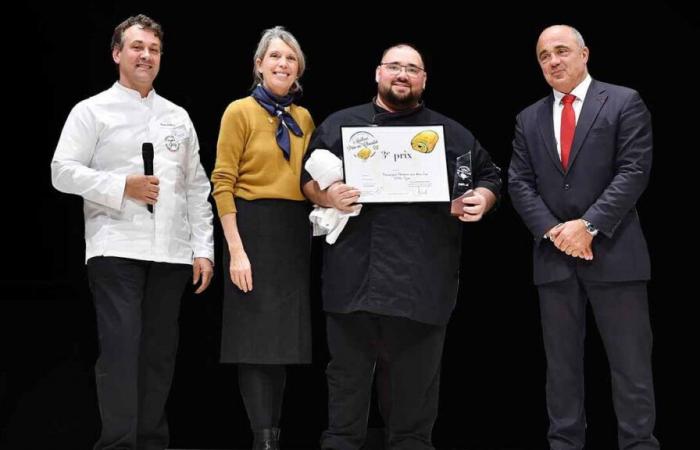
(568, 125)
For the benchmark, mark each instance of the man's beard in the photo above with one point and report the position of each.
(399, 101)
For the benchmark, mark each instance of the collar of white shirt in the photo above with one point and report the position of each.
(579, 91)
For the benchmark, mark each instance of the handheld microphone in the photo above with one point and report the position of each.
(147, 152)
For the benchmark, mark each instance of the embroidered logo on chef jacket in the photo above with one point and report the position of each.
(173, 140)
(171, 144)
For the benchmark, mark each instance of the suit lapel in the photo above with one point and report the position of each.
(546, 127)
(595, 99)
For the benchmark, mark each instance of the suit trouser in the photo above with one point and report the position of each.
(137, 305)
(407, 357)
(622, 316)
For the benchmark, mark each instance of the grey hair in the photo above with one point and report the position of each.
(289, 39)
(577, 35)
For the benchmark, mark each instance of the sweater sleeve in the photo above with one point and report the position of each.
(229, 148)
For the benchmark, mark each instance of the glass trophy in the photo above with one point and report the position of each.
(463, 183)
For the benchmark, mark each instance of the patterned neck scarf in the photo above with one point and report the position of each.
(276, 107)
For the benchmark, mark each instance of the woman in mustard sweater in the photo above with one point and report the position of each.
(266, 319)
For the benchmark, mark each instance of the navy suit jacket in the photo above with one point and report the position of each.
(608, 170)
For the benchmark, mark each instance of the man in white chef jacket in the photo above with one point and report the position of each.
(138, 261)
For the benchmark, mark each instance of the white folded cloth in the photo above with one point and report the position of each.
(326, 169)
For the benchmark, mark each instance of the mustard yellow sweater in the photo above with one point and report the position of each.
(249, 163)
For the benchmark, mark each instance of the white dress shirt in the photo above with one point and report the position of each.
(580, 93)
(101, 144)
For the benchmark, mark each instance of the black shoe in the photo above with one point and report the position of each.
(267, 439)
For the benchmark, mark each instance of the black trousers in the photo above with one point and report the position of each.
(622, 316)
(137, 305)
(407, 357)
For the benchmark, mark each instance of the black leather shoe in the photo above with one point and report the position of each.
(267, 439)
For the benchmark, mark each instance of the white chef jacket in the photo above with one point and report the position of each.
(101, 144)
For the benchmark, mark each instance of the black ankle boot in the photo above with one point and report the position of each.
(267, 439)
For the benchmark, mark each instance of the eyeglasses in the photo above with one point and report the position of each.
(395, 68)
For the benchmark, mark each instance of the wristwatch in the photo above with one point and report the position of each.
(590, 228)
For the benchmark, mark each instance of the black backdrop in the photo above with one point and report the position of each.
(481, 71)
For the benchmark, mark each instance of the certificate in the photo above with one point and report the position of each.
(396, 164)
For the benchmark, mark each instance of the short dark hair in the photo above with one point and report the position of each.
(142, 21)
(404, 44)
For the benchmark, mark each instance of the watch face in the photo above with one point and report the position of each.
(590, 228)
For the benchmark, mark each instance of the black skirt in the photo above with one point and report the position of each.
(270, 324)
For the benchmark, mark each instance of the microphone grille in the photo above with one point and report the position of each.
(147, 148)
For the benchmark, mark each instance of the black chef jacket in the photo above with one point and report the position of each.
(399, 259)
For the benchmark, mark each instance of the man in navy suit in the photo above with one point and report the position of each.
(581, 160)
